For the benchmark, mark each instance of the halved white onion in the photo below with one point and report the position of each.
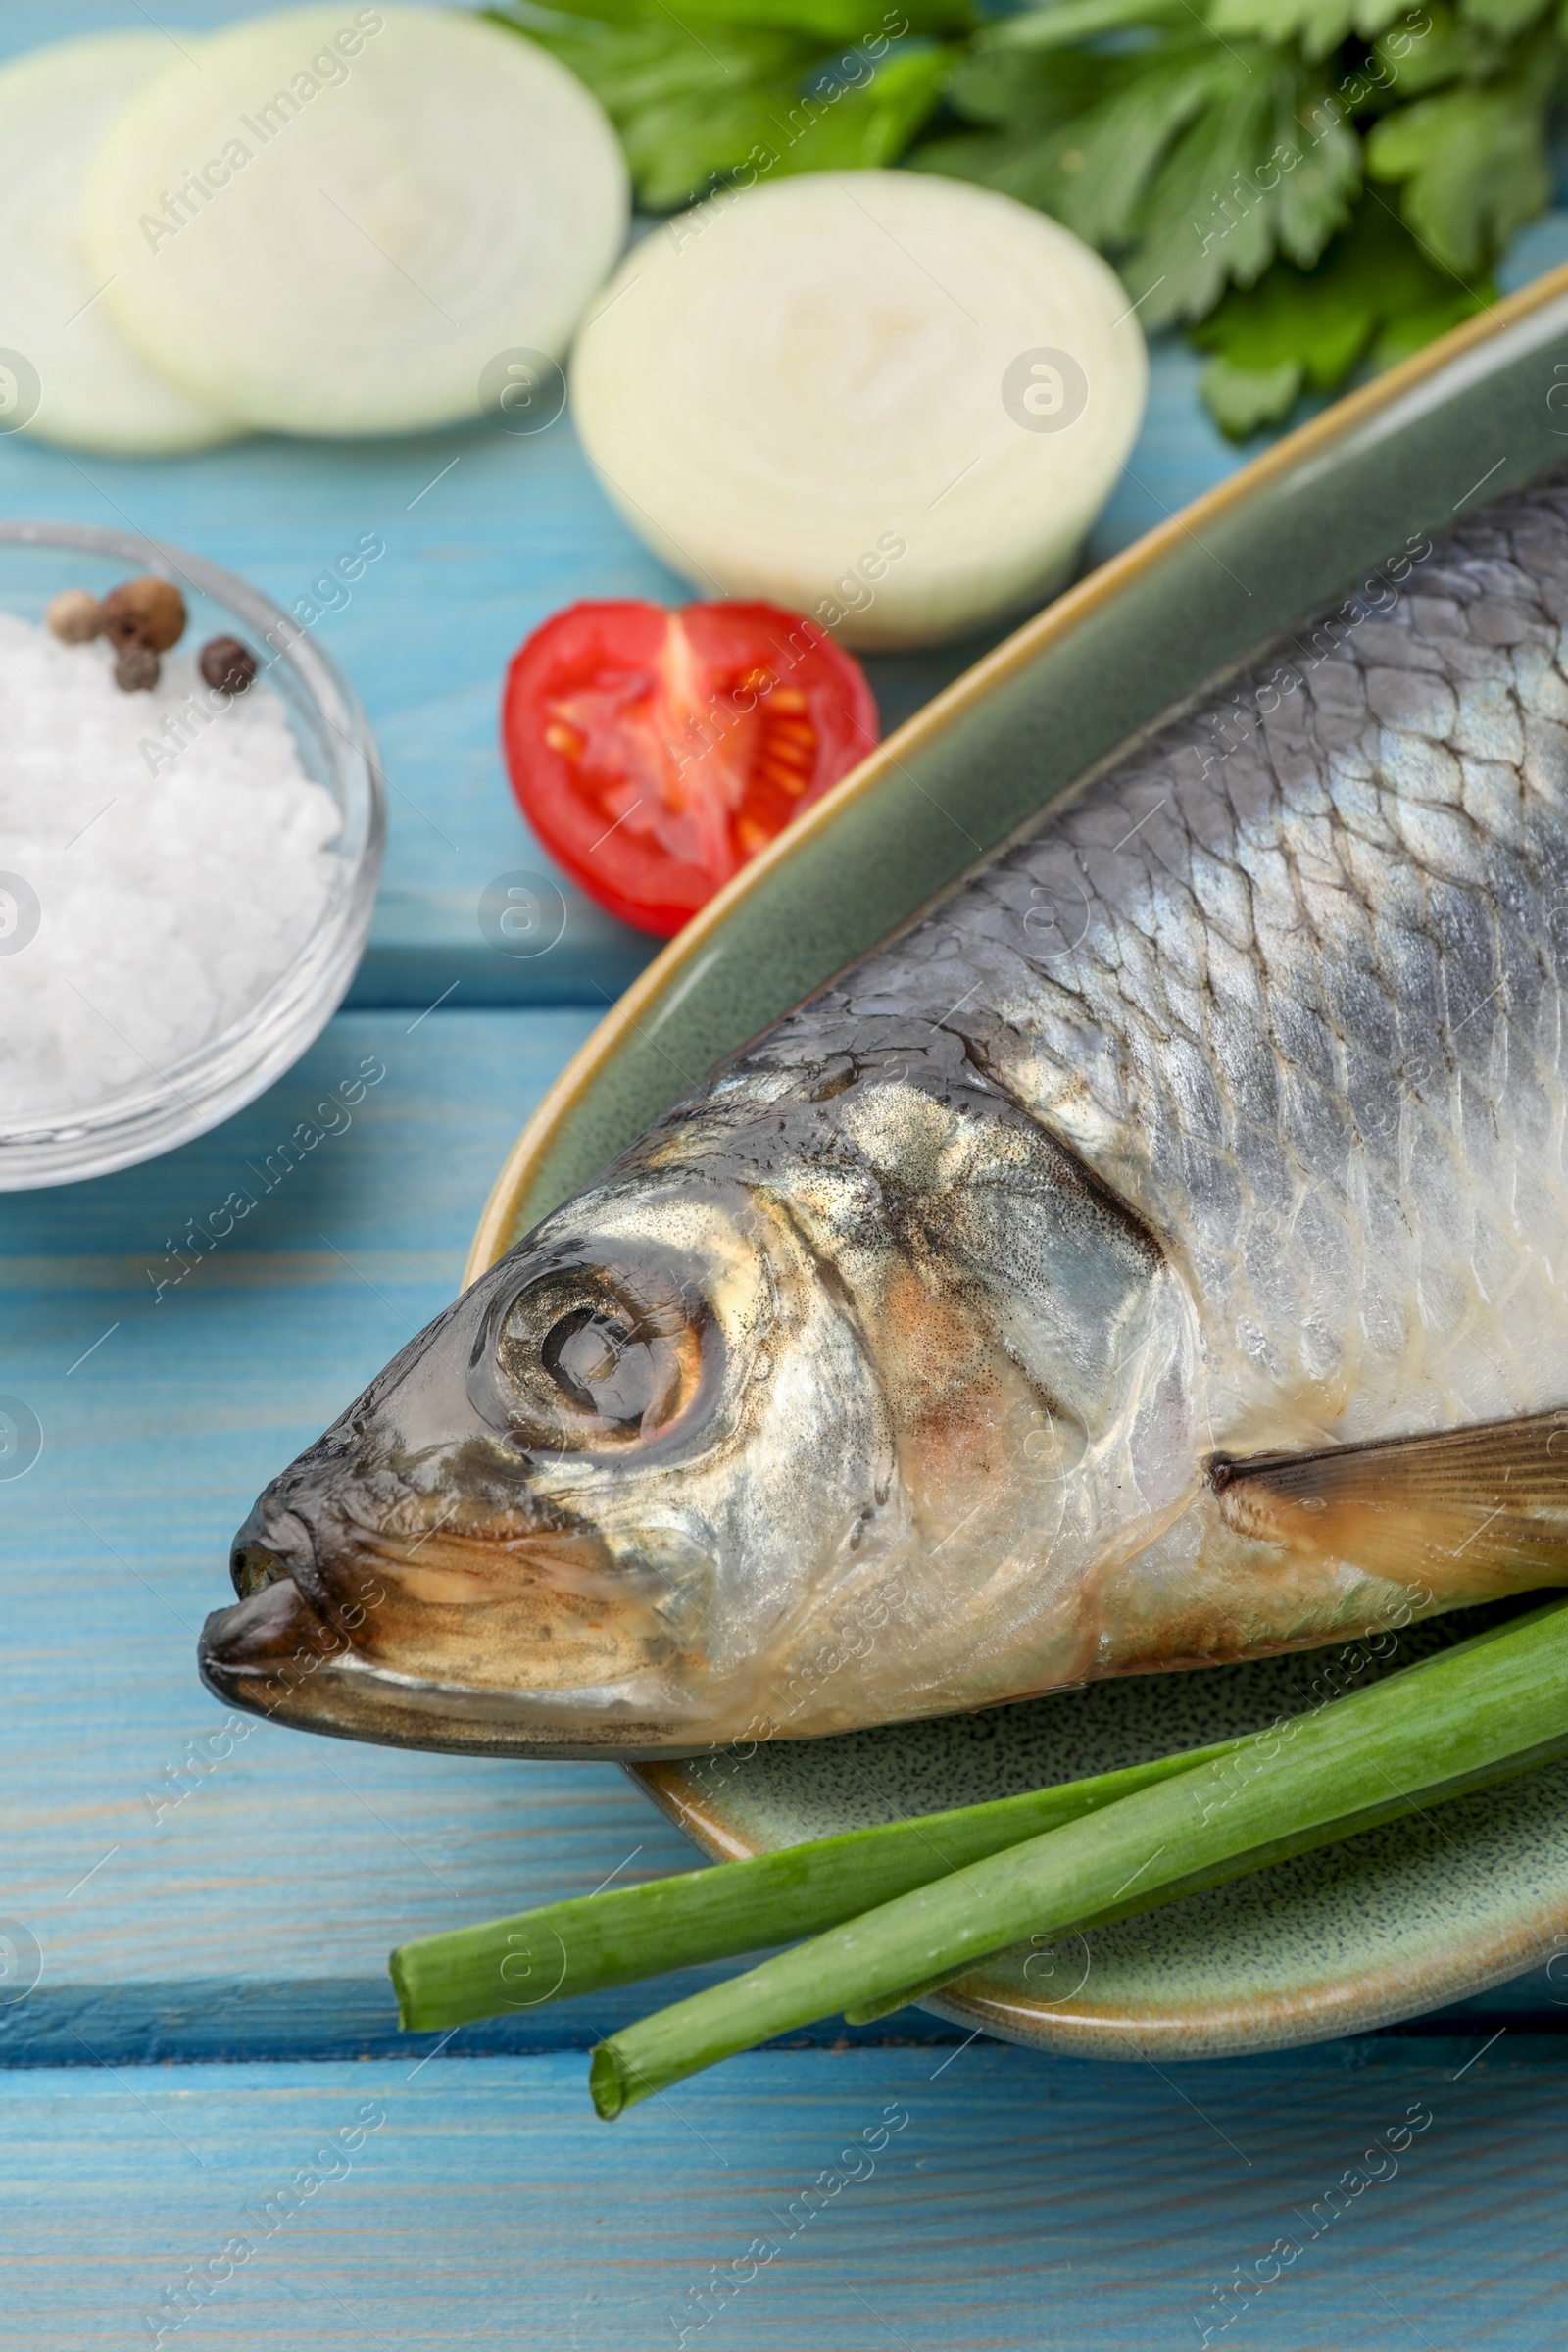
(78, 380)
(891, 400)
(339, 216)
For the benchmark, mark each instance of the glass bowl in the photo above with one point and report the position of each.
(336, 749)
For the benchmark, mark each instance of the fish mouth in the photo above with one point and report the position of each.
(401, 1643)
(276, 1656)
(253, 1566)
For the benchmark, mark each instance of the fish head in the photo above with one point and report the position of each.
(565, 1517)
(620, 1495)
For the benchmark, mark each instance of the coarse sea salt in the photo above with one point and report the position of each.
(167, 902)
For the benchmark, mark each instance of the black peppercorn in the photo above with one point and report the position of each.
(228, 667)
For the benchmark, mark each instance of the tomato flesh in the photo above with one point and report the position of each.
(654, 752)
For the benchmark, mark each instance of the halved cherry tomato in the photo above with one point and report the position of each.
(654, 752)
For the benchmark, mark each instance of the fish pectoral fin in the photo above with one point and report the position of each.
(1466, 1510)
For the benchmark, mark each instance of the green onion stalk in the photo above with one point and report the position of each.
(594, 1941)
(1462, 1721)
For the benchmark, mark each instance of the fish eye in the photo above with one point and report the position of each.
(604, 1368)
(592, 1360)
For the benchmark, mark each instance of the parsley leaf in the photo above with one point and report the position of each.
(1374, 295)
(1450, 49)
(1188, 162)
(688, 112)
(749, 95)
(864, 126)
(1472, 164)
(1505, 17)
(1319, 25)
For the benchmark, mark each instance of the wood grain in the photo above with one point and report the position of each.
(1004, 2199)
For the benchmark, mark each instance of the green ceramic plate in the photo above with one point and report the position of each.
(1398, 1921)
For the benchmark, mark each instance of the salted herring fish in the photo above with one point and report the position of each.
(1154, 1256)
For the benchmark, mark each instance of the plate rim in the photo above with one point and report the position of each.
(1405, 1983)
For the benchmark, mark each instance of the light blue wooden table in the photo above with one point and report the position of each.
(213, 2006)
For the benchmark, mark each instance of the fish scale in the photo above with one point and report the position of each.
(1312, 1027)
(1149, 1258)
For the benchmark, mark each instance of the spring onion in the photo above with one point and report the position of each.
(1456, 1722)
(593, 1941)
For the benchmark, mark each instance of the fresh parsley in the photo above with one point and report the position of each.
(728, 92)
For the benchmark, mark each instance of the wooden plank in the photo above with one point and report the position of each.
(993, 2198)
